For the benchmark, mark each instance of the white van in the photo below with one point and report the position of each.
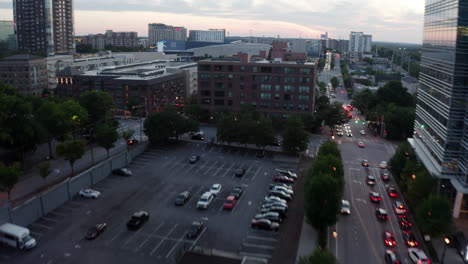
(16, 236)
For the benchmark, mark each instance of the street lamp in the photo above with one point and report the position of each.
(447, 242)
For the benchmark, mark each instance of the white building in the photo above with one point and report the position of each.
(359, 43)
(212, 35)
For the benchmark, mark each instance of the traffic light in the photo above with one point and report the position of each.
(321, 128)
(422, 126)
(363, 122)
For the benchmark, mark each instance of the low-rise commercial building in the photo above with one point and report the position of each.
(118, 39)
(212, 35)
(25, 72)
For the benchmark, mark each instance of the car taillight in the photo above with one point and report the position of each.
(387, 216)
(378, 198)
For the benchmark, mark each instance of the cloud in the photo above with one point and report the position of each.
(385, 20)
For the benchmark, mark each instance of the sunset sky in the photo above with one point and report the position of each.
(393, 21)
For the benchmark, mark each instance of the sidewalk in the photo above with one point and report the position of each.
(451, 254)
(308, 240)
(32, 183)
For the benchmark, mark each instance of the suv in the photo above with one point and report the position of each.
(381, 214)
(240, 172)
(137, 220)
(205, 200)
(418, 256)
(391, 257)
(194, 159)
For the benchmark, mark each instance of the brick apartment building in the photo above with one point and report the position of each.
(118, 39)
(277, 87)
(147, 84)
(25, 72)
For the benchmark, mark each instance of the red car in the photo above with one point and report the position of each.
(362, 145)
(392, 192)
(365, 163)
(283, 179)
(389, 239)
(230, 202)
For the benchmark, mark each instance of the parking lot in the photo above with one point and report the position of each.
(159, 175)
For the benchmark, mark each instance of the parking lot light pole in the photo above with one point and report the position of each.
(447, 242)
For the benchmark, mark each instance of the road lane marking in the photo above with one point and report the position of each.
(174, 247)
(146, 240)
(227, 171)
(257, 246)
(262, 238)
(255, 254)
(196, 240)
(131, 237)
(163, 239)
(255, 175)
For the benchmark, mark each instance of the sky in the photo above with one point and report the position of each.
(385, 20)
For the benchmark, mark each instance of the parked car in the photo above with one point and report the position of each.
(383, 165)
(195, 229)
(89, 193)
(205, 200)
(283, 179)
(216, 189)
(122, 172)
(132, 142)
(197, 136)
(287, 173)
(362, 132)
(237, 192)
(280, 194)
(95, 231)
(272, 216)
(240, 172)
(264, 224)
(281, 210)
(274, 203)
(194, 159)
(270, 199)
(137, 220)
(283, 189)
(418, 256)
(345, 207)
(284, 185)
(230, 202)
(182, 198)
(389, 239)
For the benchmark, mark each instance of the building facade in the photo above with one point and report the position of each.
(161, 32)
(441, 122)
(212, 35)
(27, 73)
(7, 35)
(146, 84)
(359, 43)
(118, 39)
(275, 89)
(44, 26)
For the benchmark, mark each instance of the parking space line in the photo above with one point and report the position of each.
(254, 254)
(163, 239)
(220, 168)
(146, 240)
(173, 165)
(199, 168)
(172, 249)
(211, 167)
(262, 238)
(42, 226)
(228, 170)
(257, 246)
(131, 237)
(168, 161)
(238, 201)
(196, 240)
(253, 178)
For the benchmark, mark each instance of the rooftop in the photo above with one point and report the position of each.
(21, 57)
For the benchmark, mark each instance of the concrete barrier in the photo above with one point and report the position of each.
(28, 212)
(5, 214)
(55, 197)
(79, 182)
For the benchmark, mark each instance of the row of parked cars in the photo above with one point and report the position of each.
(275, 205)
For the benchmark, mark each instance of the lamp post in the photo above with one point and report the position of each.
(447, 242)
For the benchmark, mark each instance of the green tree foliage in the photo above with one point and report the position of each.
(394, 92)
(44, 169)
(295, 138)
(311, 122)
(53, 122)
(9, 177)
(128, 134)
(75, 115)
(421, 186)
(434, 216)
(322, 87)
(335, 82)
(397, 163)
(263, 134)
(98, 104)
(162, 126)
(369, 70)
(71, 150)
(322, 202)
(329, 148)
(321, 64)
(85, 48)
(319, 256)
(332, 62)
(334, 114)
(193, 111)
(364, 101)
(368, 60)
(106, 137)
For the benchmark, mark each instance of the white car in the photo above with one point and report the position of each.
(205, 200)
(271, 199)
(362, 132)
(383, 165)
(345, 207)
(287, 173)
(284, 189)
(418, 256)
(90, 193)
(216, 188)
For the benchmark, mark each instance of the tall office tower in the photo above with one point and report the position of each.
(441, 123)
(212, 35)
(160, 32)
(44, 26)
(359, 43)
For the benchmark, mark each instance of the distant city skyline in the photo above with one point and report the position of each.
(392, 21)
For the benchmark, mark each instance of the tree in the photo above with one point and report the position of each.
(434, 216)
(75, 115)
(335, 82)
(329, 148)
(53, 122)
(106, 137)
(71, 150)
(421, 186)
(319, 256)
(85, 48)
(295, 138)
(263, 134)
(334, 115)
(364, 101)
(332, 62)
(227, 128)
(329, 165)
(9, 177)
(44, 169)
(322, 202)
(193, 111)
(161, 126)
(321, 64)
(397, 162)
(322, 87)
(394, 92)
(98, 104)
(368, 60)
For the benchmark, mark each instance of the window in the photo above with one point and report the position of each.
(254, 104)
(206, 93)
(265, 96)
(242, 77)
(277, 105)
(205, 67)
(289, 70)
(304, 71)
(254, 87)
(277, 88)
(206, 101)
(242, 86)
(230, 68)
(218, 67)
(242, 94)
(229, 102)
(230, 76)
(304, 80)
(288, 97)
(304, 89)
(303, 97)
(205, 76)
(265, 104)
(219, 85)
(277, 96)
(229, 94)
(218, 76)
(219, 102)
(278, 70)
(266, 78)
(254, 77)
(288, 88)
(254, 69)
(265, 87)
(219, 94)
(266, 69)
(242, 68)
(289, 79)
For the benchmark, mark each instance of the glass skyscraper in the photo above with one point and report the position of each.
(441, 124)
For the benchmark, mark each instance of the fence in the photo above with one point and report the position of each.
(61, 193)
